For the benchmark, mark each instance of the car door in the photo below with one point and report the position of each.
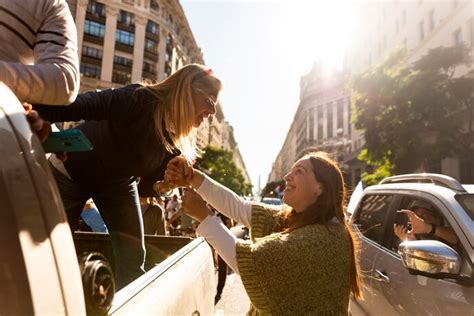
(401, 293)
(36, 221)
(368, 221)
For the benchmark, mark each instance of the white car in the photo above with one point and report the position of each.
(272, 201)
(417, 277)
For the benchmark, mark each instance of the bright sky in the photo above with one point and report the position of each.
(260, 50)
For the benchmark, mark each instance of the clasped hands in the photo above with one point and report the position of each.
(179, 173)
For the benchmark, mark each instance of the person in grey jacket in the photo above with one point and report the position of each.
(38, 56)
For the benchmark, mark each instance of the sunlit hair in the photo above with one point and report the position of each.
(175, 114)
(329, 204)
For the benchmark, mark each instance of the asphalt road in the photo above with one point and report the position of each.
(234, 299)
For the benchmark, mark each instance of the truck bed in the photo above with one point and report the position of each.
(158, 248)
(180, 278)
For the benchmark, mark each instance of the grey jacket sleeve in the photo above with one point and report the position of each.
(54, 77)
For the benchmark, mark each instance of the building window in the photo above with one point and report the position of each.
(167, 70)
(91, 71)
(119, 60)
(169, 40)
(152, 27)
(149, 67)
(320, 122)
(126, 18)
(94, 28)
(432, 20)
(421, 28)
(340, 115)
(91, 52)
(154, 5)
(151, 46)
(457, 37)
(96, 9)
(121, 77)
(349, 115)
(311, 124)
(330, 118)
(124, 37)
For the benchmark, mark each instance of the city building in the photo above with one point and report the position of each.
(322, 123)
(124, 41)
(323, 117)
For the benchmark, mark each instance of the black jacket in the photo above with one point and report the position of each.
(120, 125)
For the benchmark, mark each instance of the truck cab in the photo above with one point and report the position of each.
(45, 269)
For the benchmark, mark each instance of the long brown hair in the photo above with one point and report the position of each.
(174, 119)
(329, 204)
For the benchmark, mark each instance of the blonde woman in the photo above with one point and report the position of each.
(135, 131)
(302, 259)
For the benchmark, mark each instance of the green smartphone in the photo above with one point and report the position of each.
(69, 140)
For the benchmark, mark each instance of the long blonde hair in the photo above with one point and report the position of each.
(174, 117)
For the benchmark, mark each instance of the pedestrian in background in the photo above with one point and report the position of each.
(153, 219)
(91, 217)
(301, 260)
(135, 131)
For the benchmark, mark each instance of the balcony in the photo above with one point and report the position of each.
(124, 48)
(91, 60)
(93, 39)
(151, 56)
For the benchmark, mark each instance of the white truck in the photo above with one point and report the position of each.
(46, 270)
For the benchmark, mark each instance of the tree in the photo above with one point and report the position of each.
(219, 165)
(412, 116)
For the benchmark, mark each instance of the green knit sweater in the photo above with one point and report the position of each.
(305, 272)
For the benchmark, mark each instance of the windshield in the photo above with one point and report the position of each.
(355, 198)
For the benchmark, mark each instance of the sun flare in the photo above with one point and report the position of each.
(319, 31)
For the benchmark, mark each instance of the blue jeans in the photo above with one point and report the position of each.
(119, 206)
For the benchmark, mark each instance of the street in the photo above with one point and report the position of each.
(234, 300)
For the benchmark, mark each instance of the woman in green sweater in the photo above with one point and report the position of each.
(301, 259)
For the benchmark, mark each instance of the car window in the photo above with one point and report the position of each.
(401, 219)
(467, 202)
(371, 215)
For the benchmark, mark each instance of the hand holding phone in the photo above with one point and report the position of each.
(70, 140)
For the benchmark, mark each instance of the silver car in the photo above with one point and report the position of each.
(416, 277)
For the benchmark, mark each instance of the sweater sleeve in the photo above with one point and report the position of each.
(220, 238)
(54, 77)
(110, 104)
(226, 201)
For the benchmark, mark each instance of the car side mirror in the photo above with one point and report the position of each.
(430, 258)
